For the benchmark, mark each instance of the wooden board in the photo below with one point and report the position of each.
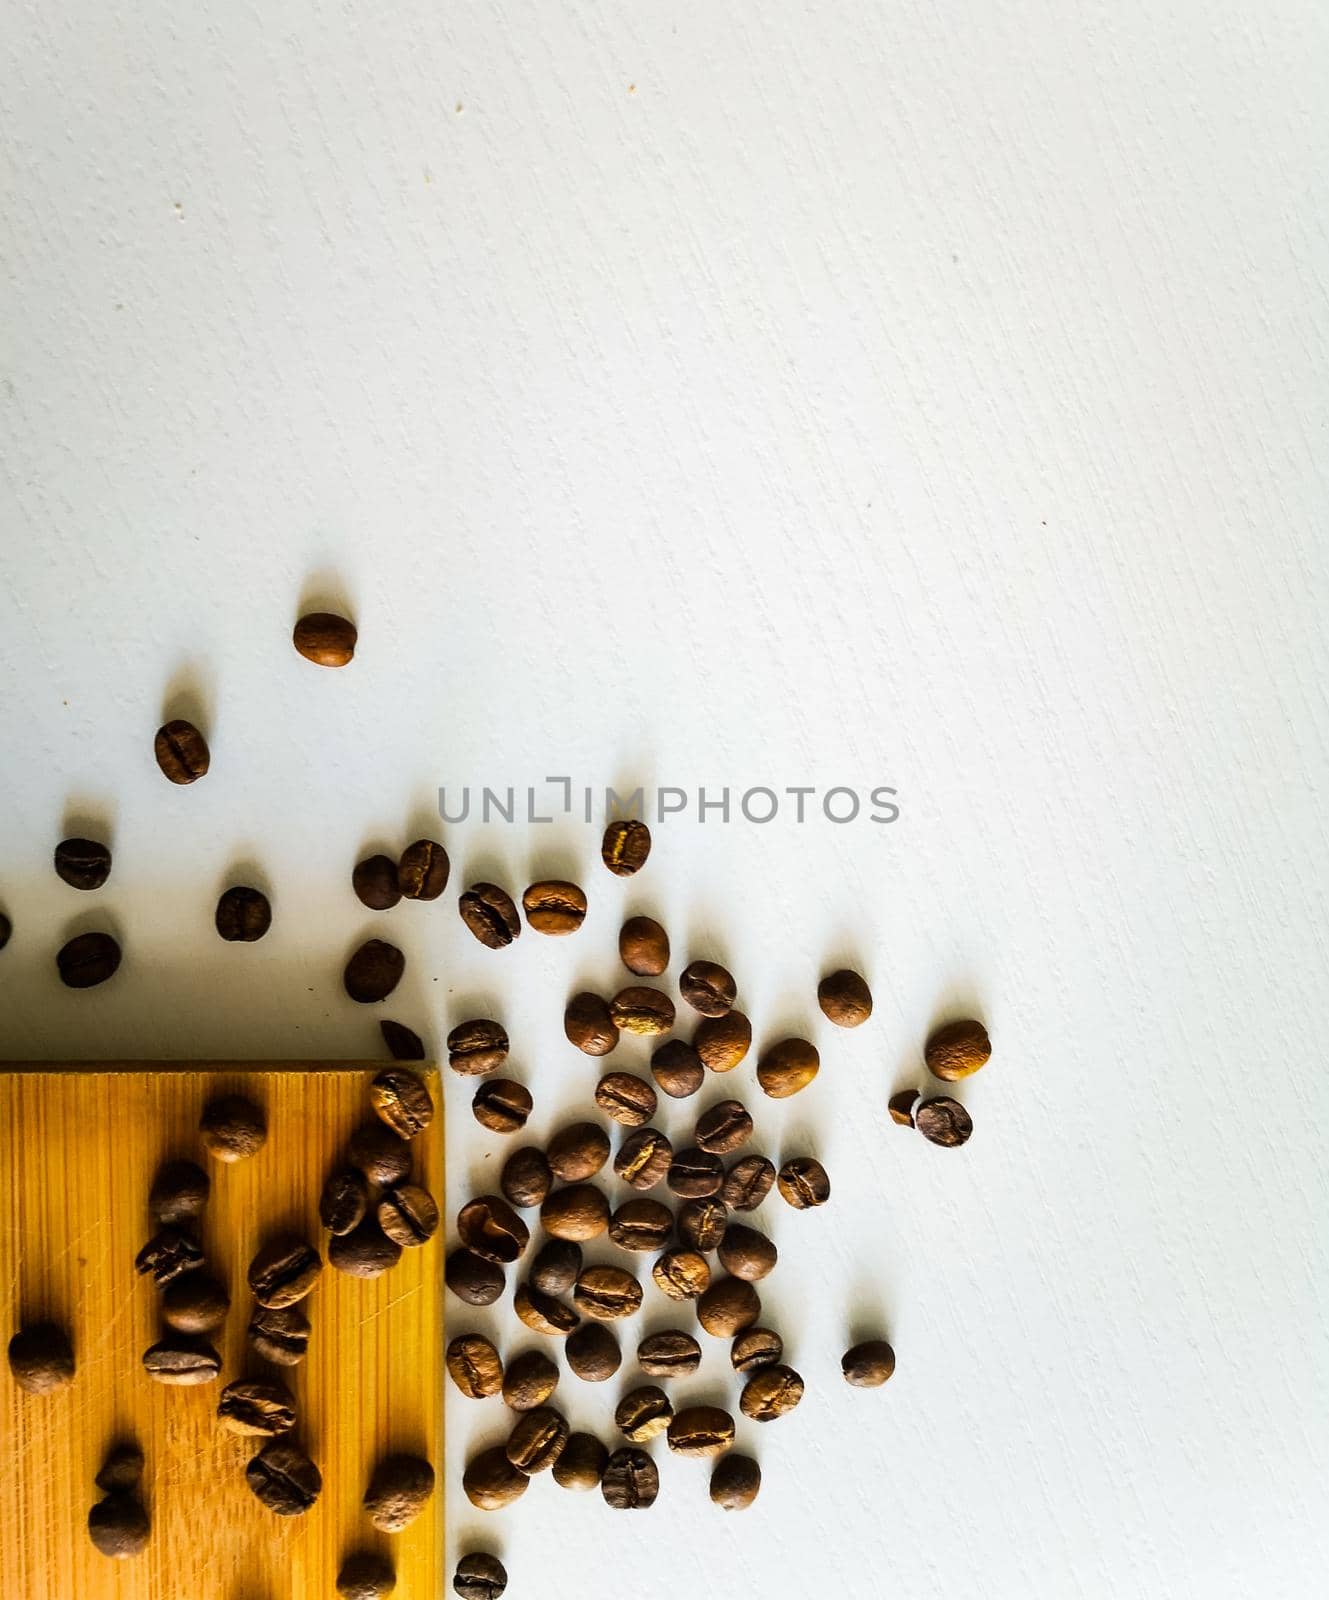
(78, 1149)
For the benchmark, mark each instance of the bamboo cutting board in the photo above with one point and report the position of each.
(78, 1149)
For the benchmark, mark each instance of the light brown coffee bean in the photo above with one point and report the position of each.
(556, 1266)
(592, 1353)
(578, 1151)
(280, 1336)
(554, 907)
(735, 1483)
(179, 1193)
(698, 1432)
(256, 1410)
(626, 844)
(474, 1366)
(746, 1253)
(399, 1489)
(728, 1307)
(677, 1069)
(643, 1414)
(845, 998)
(643, 1226)
(631, 1480)
(672, 1354)
(408, 1215)
(868, 1365)
(41, 1358)
(382, 1155)
(365, 1252)
(477, 1047)
(491, 1228)
(529, 1381)
(423, 870)
(232, 1128)
(195, 1303)
(747, 1183)
(708, 987)
(490, 1481)
(588, 1024)
(642, 1010)
(118, 1526)
(644, 1158)
(537, 1441)
(755, 1349)
(944, 1121)
(724, 1128)
(804, 1183)
(582, 1464)
(366, 1575)
(902, 1107)
(578, 1212)
(344, 1201)
(325, 639)
(542, 1313)
(501, 1105)
(773, 1392)
(182, 1361)
(701, 1223)
(695, 1174)
(526, 1177)
(284, 1271)
(787, 1067)
(957, 1050)
(682, 1274)
(629, 1100)
(182, 752)
(489, 913)
(722, 1042)
(643, 947)
(402, 1100)
(607, 1293)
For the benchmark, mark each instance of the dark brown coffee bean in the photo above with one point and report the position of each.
(408, 1215)
(344, 1201)
(232, 1128)
(423, 870)
(501, 1105)
(491, 1228)
(491, 1482)
(644, 1226)
(122, 1469)
(694, 1174)
(677, 1068)
(582, 1464)
(723, 1128)
(772, 1392)
(373, 972)
(755, 1349)
(118, 1526)
(489, 913)
(868, 1365)
(526, 1178)
(682, 1274)
(473, 1279)
(403, 1043)
(402, 1100)
(804, 1183)
(474, 1366)
(182, 1361)
(746, 1253)
(578, 1151)
(179, 1192)
(284, 1271)
(606, 1293)
(625, 846)
(375, 882)
(542, 1313)
(902, 1107)
(365, 1252)
(728, 1307)
(629, 1100)
(382, 1155)
(555, 1268)
(399, 1490)
(284, 1479)
(579, 1212)
(366, 1575)
(669, 1355)
(641, 1010)
(589, 1025)
(168, 1255)
(747, 1183)
(280, 1336)
(265, 1409)
(845, 998)
(537, 1441)
(735, 1483)
(554, 907)
(480, 1577)
(643, 947)
(477, 1047)
(325, 639)
(722, 1042)
(41, 1358)
(195, 1303)
(87, 960)
(592, 1353)
(643, 1414)
(708, 987)
(644, 1158)
(181, 751)
(82, 863)
(243, 915)
(701, 1431)
(957, 1050)
(701, 1223)
(630, 1481)
(529, 1381)
(944, 1121)
(787, 1067)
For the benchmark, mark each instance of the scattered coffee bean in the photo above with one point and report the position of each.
(644, 1158)
(701, 1431)
(722, 1042)
(630, 1481)
(232, 1128)
(845, 998)
(944, 1121)
(41, 1358)
(344, 1201)
(694, 1174)
(403, 1043)
(628, 1099)
(168, 1255)
(526, 1178)
(491, 1482)
(366, 1575)
(87, 960)
(677, 1068)
(772, 1392)
(243, 915)
(195, 1303)
(491, 1228)
(578, 1151)
(643, 1414)
(477, 1047)
(804, 1183)
(82, 863)
(402, 1100)
(555, 1268)
(868, 1365)
(957, 1050)
(529, 1381)
(708, 987)
(579, 1212)
(182, 1361)
(537, 1440)
(365, 1252)
(375, 882)
(746, 1253)
(902, 1106)
(728, 1307)
(669, 1355)
(122, 1469)
(554, 907)
(474, 1366)
(408, 1215)
(582, 1464)
(643, 947)
(181, 751)
(382, 1155)
(592, 1353)
(473, 1279)
(480, 1577)
(641, 1010)
(723, 1128)
(625, 846)
(279, 1336)
(179, 1192)
(373, 972)
(755, 1349)
(118, 1526)
(644, 1226)
(325, 639)
(489, 913)
(735, 1483)
(284, 1479)
(399, 1490)
(701, 1223)
(501, 1105)
(682, 1274)
(606, 1293)
(589, 1024)
(284, 1271)
(423, 870)
(542, 1313)
(787, 1067)
(256, 1409)
(747, 1183)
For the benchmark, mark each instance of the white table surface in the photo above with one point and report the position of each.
(918, 395)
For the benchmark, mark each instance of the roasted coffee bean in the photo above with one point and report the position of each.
(280, 1336)
(257, 1409)
(284, 1271)
(366, 1575)
(592, 1353)
(755, 1349)
(41, 1358)
(179, 1192)
(382, 1155)
(845, 998)
(344, 1201)
(641, 1010)
(555, 1268)
(243, 915)
(402, 1100)
(399, 1489)
(375, 882)
(168, 1255)
(728, 1307)
(578, 1151)
(787, 1067)
(542, 1313)
(868, 1365)
(629, 1100)
(722, 1042)
(642, 1225)
(708, 987)
(284, 1479)
(747, 1183)
(537, 1441)
(579, 1212)
(118, 1526)
(366, 1252)
(181, 751)
(474, 1366)
(473, 1279)
(195, 1303)
(554, 907)
(694, 1174)
(723, 1128)
(182, 1361)
(701, 1431)
(491, 1228)
(644, 1158)
(682, 1274)
(944, 1121)
(122, 1469)
(701, 1223)
(373, 972)
(606, 1293)
(423, 870)
(491, 1482)
(408, 1215)
(643, 1414)
(232, 1128)
(589, 1024)
(902, 1107)
(772, 1392)
(669, 1355)
(526, 1178)
(480, 1577)
(501, 1105)
(325, 638)
(803, 1183)
(489, 913)
(403, 1043)
(746, 1253)
(529, 1381)
(582, 1464)
(625, 846)
(643, 947)
(82, 863)
(87, 960)
(677, 1068)
(735, 1483)
(477, 1046)
(630, 1481)
(6, 930)
(957, 1050)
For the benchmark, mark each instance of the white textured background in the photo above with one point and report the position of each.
(918, 394)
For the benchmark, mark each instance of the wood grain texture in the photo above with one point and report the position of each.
(77, 1153)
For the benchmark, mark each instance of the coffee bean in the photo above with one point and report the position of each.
(669, 1355)
(365, 1252)
(588, 1024)
(41, 1358)
(554, 907)
(181, 751)
(803, 1183)
(755, 1349)
(642, 1010)
(167, 1255)
(643, 947)
(606, 1293)
(629, 1100)
(542, 1313)
(491, 1228)
(232, 1128)
(82, 863)
(746, 1253)
(489, 913)
(677, 1069)
(195, 1303)
(708, 987)
(682, 1274)
(87, 960)
(264, 1409)
(537, 1441)
(473, 1279)
(625, 846)
(868, 1365)
(592, 1353)
(902, 1106)
(382, 1155)
(325, 639)
(122, 1469)
(694, 1174)
(118, 1526)
(179, 1192)
(477, 1047)
(701, 1223)
(526, 1178)
(182, 1361)
(722, 1042)
(480, 1577)
(344, 1201)
(701, 1431)
(529, 1381)
(243, 915)
(501, 1105)
(284, 1271)
(555, 1268)
(630, 1481)
(375, 882)
(845, 998)
(6, 930)
(399, 1490)
(642, 1226)
(644, 1158)
(773, 1392)
(579, 1212)
(423, 870)
(643, 1414)
(284, 1479)
(280, 1336)
(474, 1366)
(366, 1575)
(723, 1128)
(403, 1043)
(735, 1483)
(491, 1482)
(787, 1067)
(578, 1151)
(747, 1183)
(408, 1215)
(373, 972)
(944, 1121)
(582, 1464)
(728, 1307)
(957, 1050)
(402, 1100)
